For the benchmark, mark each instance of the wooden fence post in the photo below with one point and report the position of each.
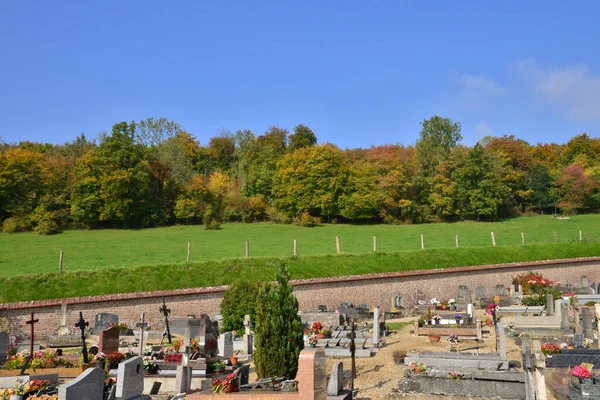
(456, 239)
(555, 237)
(493, 240)
(295, 248)
(247, 249)
(422, 242)
(188, 252)
(374, 243)
(580, 236)
(60, 258)
(522, 238)
(337, 245)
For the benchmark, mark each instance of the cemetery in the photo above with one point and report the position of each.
(530, 338)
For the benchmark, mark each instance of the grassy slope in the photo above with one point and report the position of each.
(121, 280)
(25, 253)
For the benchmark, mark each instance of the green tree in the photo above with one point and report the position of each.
(303, 136)
(278, 328)
(437, 139)
(238, 301)
(152, 132)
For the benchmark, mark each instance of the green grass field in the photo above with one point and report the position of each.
(26, 253)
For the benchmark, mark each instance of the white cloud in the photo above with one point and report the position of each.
(574, 90)
(483, 129)
(477, 90)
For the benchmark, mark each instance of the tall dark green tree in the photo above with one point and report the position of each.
(303, 136)
(278, 328)
(437, 139)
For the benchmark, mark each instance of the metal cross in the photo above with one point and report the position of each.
(31, 322)
(166, 311)
(142, 325)
(82, 324)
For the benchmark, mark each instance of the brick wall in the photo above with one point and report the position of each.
(377, 289)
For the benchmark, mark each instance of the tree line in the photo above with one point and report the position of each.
(155, 173)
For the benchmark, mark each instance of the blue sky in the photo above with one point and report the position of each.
(358, 73)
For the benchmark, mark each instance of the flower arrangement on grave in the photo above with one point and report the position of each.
(173, 357)
(6, 393)
(100, 357)
(221, 385)
(328, 333)
(177, 344)
(451, 302)
(19, 387)
(581, 372)
(437, 319)
(115, 358)
(317, 327)
(195, 344)
(453, 338)
(150, 364)
(417, 367)
(455, 375)
(587, 342)
(123, 327)
(532, 282)
(128, 354)
(457, 318)
(40, 360)
(512, 329)
(490, 307)
(36, 385)
(434, 302)
(44, 397)
(313, 340)
(550, 348)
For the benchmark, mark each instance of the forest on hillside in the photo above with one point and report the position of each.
(154, 173)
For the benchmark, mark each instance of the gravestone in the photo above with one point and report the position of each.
(336, 380)
(89, 386)
(594, 287)
(564, 315)
(248, 338)
(104, 321)
(549, 305)
(183, 378)
(571, 357)
(463, 296)
(399, 301)
(501, 291)
(501, 345)
(376, 328)
(109, 340)
(587, 319)
(419, 298)
(225, 345)
(208, 334)
(4, 345)
(585, 282)
(480, 293)
(578, 340)
(243, 373)
(130, 379)
(63, 329)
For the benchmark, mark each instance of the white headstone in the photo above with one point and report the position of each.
(89, 386)
(470, 310)
(130, 378)
(376, 327)
(225, 345)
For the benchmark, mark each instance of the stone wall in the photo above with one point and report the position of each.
(375, 289)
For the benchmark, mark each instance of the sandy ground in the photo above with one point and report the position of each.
(378, 376)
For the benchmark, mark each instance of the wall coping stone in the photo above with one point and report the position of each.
(297, 282)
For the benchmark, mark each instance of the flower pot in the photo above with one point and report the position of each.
(434, 339)
(443, 307)
(232, 387)
(320, 335)
(312, 345)
(101, 364)
(437, 321)
(233, 360)
(488, 322)
(418, 370)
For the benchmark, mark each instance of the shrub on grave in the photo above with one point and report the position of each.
(278, 329)
(239, 300)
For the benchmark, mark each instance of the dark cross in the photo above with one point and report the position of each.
(31, 322)
(353, 354)
(166, 311)
(82, 324)
(494, 310)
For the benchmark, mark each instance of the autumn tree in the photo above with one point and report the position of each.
(572, 187)
(437, 138)
(303, 136)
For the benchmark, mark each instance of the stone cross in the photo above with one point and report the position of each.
(540, 365)
(549, 305)
(248, 340)
(63, 329)
(528, 366)
(587, 319)
(82, 324)
(142, 325)
(352, 353)
(166, 311)
(31, 322)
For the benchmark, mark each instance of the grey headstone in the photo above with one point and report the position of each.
(549, 305)
(564, 315)
(585, 281)
(225, 345)
(63, 329)
(419, 298)
(336, 380)
(501, 290)
(4, 344)
(376, 327)
(587, 319)
(480, 293)
(463, 295)
(89, 386)
(109, 340)
(578, 340)
(243, 374)
(399, 301)
(183, 379)
(248, 344)
(104, 321)
(594, 287)
(130, 378)
(209, 331)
